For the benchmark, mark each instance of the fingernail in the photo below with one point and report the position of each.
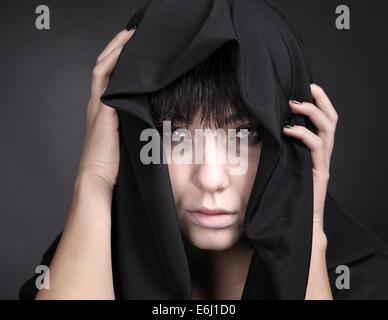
(296, 102)
(289, 126)
(130, 27)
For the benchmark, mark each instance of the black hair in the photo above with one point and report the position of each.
(209, 90)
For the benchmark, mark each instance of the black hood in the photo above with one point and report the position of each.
(271, 67)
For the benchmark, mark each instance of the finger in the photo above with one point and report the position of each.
(323, 102)
(102, 72)
(317, 117)
(313, 142)
(118, 41)
(100, 80)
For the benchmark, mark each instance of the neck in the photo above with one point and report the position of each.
(219, 274)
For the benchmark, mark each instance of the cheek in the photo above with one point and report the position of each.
(179, 177)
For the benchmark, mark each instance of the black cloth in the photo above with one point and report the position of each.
(271, 67)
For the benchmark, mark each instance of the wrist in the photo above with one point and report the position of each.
(97, 171)
(92, 191)
(87, 180)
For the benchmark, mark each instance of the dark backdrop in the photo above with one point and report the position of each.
(45, 78)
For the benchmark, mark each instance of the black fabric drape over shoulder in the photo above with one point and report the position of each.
(271, 66)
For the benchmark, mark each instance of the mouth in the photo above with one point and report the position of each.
(212, 218)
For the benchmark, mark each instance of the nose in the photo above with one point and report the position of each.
(213, 174)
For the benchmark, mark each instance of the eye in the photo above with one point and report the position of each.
(251, 133)
(246, 132)
(179, 133)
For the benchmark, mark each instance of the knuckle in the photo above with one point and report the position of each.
(298, 130)
(99, 59)
(309, 105)
(97, 71)
(331, 128)
(304, 130)
(312, 109)
(335, 117)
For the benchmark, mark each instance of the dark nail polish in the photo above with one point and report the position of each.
(130, 27)
(296, 102)
(289, 126)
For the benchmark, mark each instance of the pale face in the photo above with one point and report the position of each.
(210, 202)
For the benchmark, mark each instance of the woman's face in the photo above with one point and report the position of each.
(210, 201)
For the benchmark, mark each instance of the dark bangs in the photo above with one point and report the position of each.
(209, 90)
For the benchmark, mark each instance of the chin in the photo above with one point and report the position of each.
(213, 239)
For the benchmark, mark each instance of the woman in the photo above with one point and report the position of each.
(219, 232)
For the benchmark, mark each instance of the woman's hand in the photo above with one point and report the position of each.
(86, 239)
(101, 154)
(324, 117)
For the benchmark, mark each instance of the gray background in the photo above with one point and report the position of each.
(45, 79)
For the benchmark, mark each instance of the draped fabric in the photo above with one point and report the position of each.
(271, 67)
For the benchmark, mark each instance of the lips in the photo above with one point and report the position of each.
(212, 218)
